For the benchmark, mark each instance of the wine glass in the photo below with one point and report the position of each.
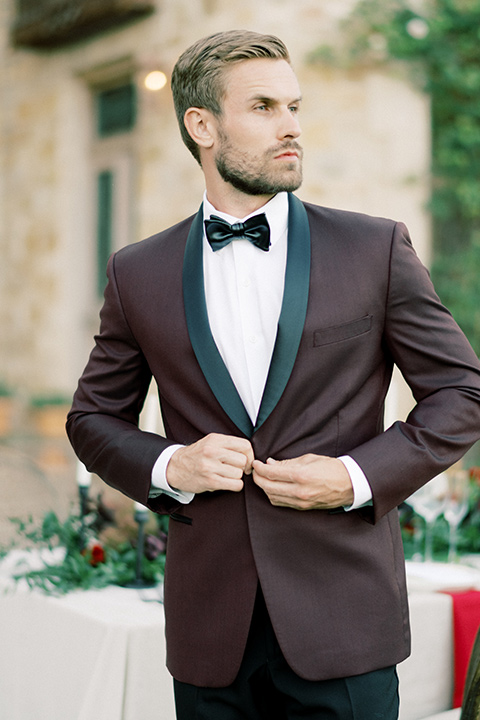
(456, 507)
(429, 502)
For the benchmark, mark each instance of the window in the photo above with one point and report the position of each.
(104, 224)
(115, 115)
(116, 110)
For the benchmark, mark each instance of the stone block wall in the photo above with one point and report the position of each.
(365, 134)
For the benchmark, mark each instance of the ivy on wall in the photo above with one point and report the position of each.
(439, 40)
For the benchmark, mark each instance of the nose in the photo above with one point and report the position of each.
(289, 126)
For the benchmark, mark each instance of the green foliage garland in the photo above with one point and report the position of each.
(87, 559)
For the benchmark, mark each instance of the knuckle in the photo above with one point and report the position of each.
(210, 439)
(305, 495)
(209, 450)
(204, 466)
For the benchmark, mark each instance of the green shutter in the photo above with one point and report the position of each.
(104, 225)
(116, 109)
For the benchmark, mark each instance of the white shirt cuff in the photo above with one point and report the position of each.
(160, 485)
(362, 492)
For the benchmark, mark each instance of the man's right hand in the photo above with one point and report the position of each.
(216, 462)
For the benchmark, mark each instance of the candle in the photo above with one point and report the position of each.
(150, 414)
(139, 508)
(84, 478)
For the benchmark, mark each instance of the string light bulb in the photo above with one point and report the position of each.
(155, 80)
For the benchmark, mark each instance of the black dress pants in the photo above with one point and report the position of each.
(267, 689)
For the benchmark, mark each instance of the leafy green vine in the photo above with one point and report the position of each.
(439, 40)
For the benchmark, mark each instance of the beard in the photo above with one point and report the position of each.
(251, 174)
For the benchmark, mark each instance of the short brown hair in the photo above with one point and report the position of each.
(197, 78)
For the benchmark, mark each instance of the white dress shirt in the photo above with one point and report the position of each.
(244, 291)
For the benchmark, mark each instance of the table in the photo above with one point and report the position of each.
(87, 655)
(427, 676)
(101, 654)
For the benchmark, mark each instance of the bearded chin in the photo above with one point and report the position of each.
(255, 184)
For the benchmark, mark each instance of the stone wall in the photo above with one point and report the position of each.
(366, 140)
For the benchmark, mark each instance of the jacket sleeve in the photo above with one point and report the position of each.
(443, 373)
(102, 424)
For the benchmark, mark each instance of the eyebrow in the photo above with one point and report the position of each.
(273, 101)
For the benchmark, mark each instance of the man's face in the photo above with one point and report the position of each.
(257, 152)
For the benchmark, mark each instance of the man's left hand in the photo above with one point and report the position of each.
(309, 482)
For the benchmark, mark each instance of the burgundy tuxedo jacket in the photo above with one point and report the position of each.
(357, 301)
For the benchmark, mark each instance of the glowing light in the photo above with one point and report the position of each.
(155, 80)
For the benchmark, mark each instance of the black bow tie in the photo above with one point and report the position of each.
(221, 233)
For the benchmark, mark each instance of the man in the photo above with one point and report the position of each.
(284, 590)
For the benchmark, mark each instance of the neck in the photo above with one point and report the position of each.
(225, 198)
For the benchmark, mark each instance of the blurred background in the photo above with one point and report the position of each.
(91, 160)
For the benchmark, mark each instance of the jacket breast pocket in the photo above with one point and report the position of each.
(345, 331)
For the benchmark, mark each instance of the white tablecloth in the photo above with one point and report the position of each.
(426, 677)
(96, 655)
(100, 655)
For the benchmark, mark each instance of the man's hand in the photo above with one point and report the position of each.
(216, 462)
(309, 482)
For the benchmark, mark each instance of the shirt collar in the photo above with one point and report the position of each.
(275, 209)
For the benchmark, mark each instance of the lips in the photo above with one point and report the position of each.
(289, 153)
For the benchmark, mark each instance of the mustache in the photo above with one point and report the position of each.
(287, 145)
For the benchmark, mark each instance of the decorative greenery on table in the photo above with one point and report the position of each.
(439, 42)
(413, 527)
(94, 556)
(99, 551)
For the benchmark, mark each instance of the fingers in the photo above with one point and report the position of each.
(275, 469)
(250, 459)
(232, 452)
(216, 462)
(305, 483)
(276, 479)
(274, 474)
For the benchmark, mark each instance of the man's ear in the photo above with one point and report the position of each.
(199, 124)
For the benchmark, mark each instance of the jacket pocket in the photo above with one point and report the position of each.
(345, 331)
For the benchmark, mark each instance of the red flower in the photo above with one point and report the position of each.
(474, 473)
(97, 555)
(94, 553)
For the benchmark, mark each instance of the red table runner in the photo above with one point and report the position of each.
(466, 621)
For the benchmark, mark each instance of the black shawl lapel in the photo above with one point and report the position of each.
(290, 327)
(294, 308)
